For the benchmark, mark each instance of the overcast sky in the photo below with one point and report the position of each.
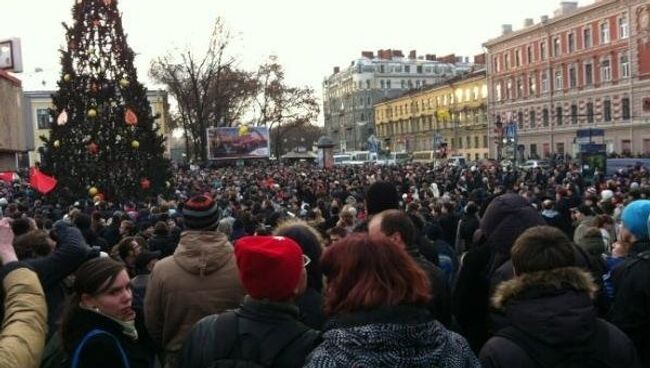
(309, 37)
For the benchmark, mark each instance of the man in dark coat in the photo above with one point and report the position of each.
(551, 312)
(397, 226)
(265, 328)
(630, 310)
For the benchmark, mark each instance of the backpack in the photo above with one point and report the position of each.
(592, 354)
(244, 350)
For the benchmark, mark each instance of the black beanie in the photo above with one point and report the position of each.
(381, 196)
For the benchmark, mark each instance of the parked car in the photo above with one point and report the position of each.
(531, 164)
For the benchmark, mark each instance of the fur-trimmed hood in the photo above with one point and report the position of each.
(557, 279)
(555, 306)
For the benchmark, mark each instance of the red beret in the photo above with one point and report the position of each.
(269, 266)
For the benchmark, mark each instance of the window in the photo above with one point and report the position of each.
(403, 84)
(520, 88)
(497, 64)
(590, 112)
(607, 107)
(574, 114)
(509, 89)
(625, 107)
(419, 69)
(589, 74)
(520, 119)
(542, 50)
(497, 91)
(517, 57)
(388, 84)
(533, 150)
(43, 118)
(605, 71)
(544, 78)
(476, 142)
(531, 85)
(560, 148)
(623, 27)
(586, 37)
(604, 32)
(507, 61)
(529, 54)
(571, 40)
(558, 79)
(469, 142)
(531, 118)
(545, 116)
(407, 68)
(381, 83)
(460, 142)
(625, 65)
(557, 47)
(485, 141)
(626, 146)
(368, 84)
(382, 68)
(558, 115)
(417, 84)
(573, 80)
(360, 84)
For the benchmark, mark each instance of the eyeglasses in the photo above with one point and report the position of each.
(305, 260)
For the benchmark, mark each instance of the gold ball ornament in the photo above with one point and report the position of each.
(92, 113)
(135, 144)
(67, 77)
(93, 191)
(243, 130)
(124, 83)
(56, 144)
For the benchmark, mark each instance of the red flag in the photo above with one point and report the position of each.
(40, 181)
(7, 176)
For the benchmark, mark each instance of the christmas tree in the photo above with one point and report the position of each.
(103, 141)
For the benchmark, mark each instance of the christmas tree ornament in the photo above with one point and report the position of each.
(108, 2)
(94, 87)
(124, 82)
(67, 78)
(92, 113)
(130, 117)
(93, 191)
(98, 198)
(135, 144)
(62, 119)
(145, 184)
(243, 130)
(93, 148)
(168, 184)
(56, 144)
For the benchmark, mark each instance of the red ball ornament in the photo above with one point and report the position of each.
(145, 184)
(93, 148)
(130, 117)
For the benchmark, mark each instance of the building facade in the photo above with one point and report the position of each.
(349, 94)
(585, 67)
(13, 136)
(450, 118)
(39, 120)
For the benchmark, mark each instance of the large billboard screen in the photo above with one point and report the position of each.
(238, 143)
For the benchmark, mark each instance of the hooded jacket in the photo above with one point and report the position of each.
(200, 279)
(401, 336)
(555, 309)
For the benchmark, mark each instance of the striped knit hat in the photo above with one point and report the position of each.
(201, 213)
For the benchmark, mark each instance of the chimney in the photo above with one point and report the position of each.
(544, 18)
(448, 59)
(368, 54)
(413, 54)
(337, 70)
(398, 54)
(430, 57)
(506, 29)
(479, 59)
(528, 22)
(566, 7)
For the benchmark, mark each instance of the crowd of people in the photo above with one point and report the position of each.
(272, 265)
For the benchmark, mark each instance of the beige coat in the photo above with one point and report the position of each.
(200, 279)
(25, 321)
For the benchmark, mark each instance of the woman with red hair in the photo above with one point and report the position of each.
(376, 297)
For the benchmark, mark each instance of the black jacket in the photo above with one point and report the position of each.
(70, 253)
(440, 304)
(630, 311)
(310, 305)
(163, 243)
(260, 320)
(101, 351)
(554, 309)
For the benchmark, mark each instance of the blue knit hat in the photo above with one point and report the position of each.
(635, 218)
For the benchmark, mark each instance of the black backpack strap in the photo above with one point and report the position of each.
(281, 337)
(227, 322)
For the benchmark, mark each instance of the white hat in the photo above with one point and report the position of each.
(606, 195)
